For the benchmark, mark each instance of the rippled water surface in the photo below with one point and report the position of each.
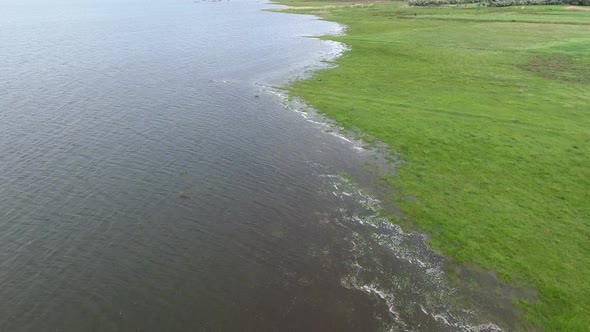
(151, 180)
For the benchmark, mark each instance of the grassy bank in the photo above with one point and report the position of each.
(490, 110)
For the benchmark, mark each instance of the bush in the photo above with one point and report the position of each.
(500, 3)
(505, 3)
(440, 2)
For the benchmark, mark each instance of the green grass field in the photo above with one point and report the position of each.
(490, 110)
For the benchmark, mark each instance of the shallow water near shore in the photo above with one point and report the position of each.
(151, 179)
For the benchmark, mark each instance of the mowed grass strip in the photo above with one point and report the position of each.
(490, 110)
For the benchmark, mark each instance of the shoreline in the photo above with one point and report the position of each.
(473, 291)
(555, 309)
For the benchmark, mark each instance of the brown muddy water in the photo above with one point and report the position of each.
(150, 180)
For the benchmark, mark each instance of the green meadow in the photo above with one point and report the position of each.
(489, 109)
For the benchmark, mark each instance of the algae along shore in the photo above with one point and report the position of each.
(489, 108)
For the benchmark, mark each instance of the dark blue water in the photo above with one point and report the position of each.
(150, 180)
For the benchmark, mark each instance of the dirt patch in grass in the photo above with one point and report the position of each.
(560, 67)
(577, 9)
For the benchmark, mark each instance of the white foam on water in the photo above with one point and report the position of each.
(373, 290)
(425, 279)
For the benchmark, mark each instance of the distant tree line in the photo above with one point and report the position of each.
(500, 3)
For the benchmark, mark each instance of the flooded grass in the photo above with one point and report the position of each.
(408, 280)
(488, 107)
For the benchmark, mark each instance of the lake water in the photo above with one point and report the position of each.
(152, 180)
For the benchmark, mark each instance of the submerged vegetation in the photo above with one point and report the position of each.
(490, 110)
